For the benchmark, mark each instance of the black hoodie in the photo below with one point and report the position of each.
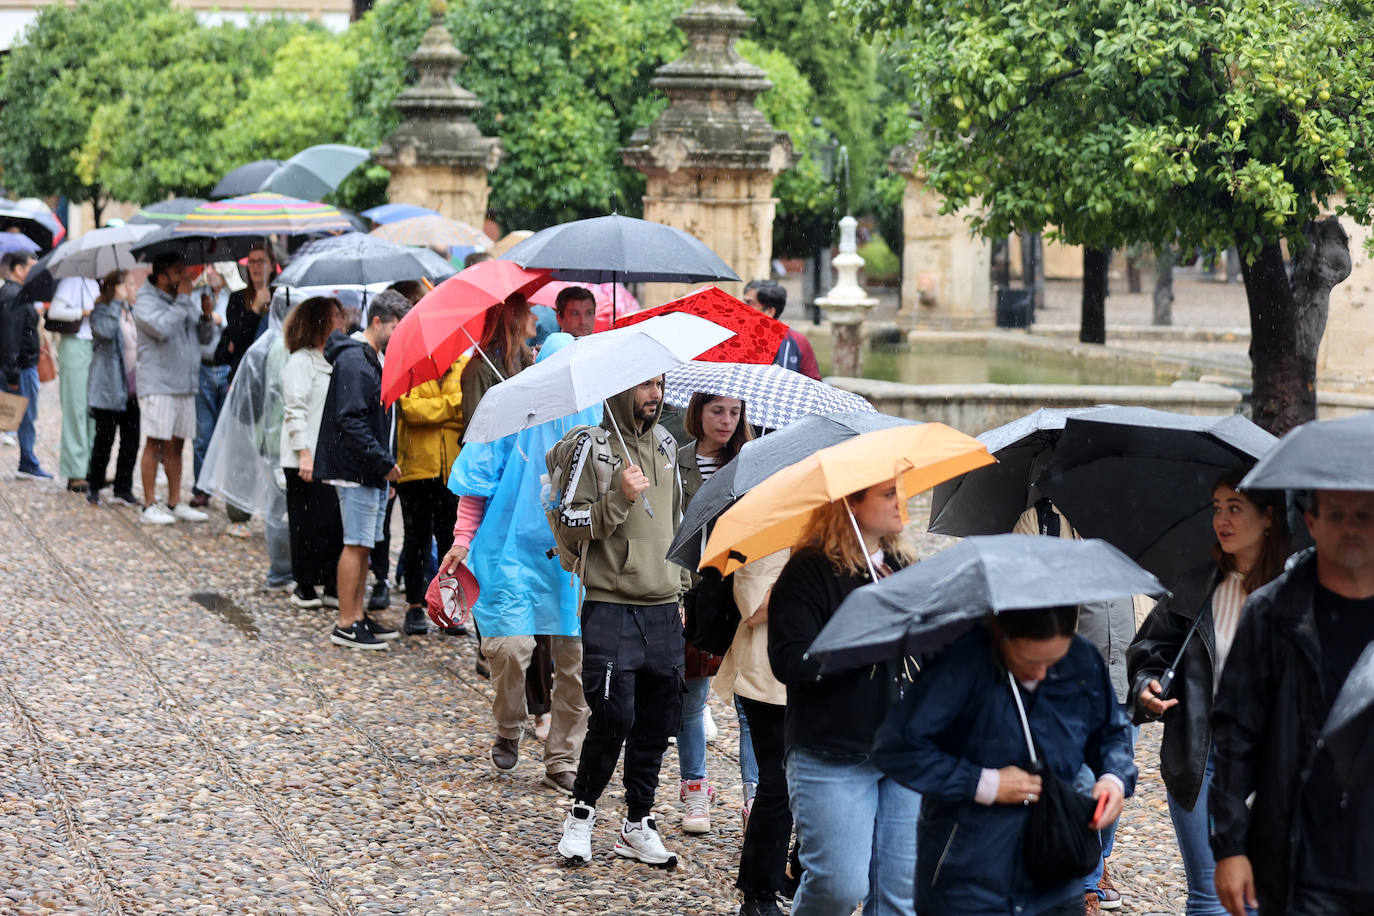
(355, 431)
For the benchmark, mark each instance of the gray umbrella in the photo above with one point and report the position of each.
(246, 179)
(358, 259)
(931, 603)
(1142, 479)
(760, 459)
(990, 499)
(1329, 455)
(316, 172)
(1348, 735)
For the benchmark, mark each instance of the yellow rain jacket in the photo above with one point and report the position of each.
(430, 426)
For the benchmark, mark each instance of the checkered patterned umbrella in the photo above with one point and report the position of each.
(773, 396)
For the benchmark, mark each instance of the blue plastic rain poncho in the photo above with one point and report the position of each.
(525, 592)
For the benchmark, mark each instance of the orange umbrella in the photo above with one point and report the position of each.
(773, 515)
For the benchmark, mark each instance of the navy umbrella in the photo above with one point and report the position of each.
(358, 259)
(1348, 735)
(166, 211)
(246, 179)
(1142, 480)
(758, 460)
(929, 604)
(1326, 455)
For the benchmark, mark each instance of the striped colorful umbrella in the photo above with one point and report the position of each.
(261, 215)
(166, 211)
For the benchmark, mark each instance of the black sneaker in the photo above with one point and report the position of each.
(126, 497)
(358, 636)
(380, 630)
(305, 597)
(417, 622)
(760, 906)
(380, 597)
(330, 599)
(93, 497)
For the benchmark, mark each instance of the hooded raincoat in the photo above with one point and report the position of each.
(524, 591)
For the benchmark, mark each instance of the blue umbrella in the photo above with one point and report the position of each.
(390, 213)
(17, 241)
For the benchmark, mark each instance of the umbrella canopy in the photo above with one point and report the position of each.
(166, 211)
(261, 215)
(18, 241)
(1348, 735)
(773, 515)
(390, 213)
(508, 241)
(758, 460)
(620, 249)
(193, 249)
(315, 172)
(757, 337)
(610, 298)
(437, 232)
(991, 499)
(1325, 455)
(773, 396)
(591, 369)
(38, 223)
(1142, 480)
(246, 179)
(448, 320)
(40, 285)
(358, 259)
(99, 251)
(929, 604)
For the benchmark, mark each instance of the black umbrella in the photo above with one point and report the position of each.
(194, 249)
(166, 211)
(1329, 455)
(760, 459)
(620, 249)
(1142, 479)
(358, 259)
(246, 179)
(990, 499)
(42, 227)
(40, 285)
(931, 603)
(1348, 735)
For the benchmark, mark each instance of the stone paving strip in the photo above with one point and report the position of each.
(164, 754)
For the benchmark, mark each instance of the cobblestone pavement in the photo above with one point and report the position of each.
(174, 739)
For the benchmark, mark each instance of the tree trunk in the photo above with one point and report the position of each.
(1164, 286)
(1033, 268)
(1132, 274)
(1093, 328)
(1283, 392)
(97, 209)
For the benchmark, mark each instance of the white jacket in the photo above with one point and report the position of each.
(745, 670)
(304, 384)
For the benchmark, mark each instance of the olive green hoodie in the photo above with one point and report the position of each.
(626, 558)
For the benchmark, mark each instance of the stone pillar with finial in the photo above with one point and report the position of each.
(946, 279)
(710, 158)
(437, 156)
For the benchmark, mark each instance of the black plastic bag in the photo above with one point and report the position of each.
(712, 617)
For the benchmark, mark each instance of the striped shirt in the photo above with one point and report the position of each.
(1227, 602)
(707, 466)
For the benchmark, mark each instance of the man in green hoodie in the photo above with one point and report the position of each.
(631, 627)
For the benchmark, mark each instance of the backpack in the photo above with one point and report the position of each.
(712, 616)
(563, 463)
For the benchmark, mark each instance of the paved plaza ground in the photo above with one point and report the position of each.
(175, 739)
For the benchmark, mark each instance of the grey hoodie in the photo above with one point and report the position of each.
(170, 332)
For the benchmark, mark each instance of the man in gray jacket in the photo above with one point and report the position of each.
(170, 331)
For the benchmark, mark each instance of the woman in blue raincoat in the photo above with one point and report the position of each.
(524, 591)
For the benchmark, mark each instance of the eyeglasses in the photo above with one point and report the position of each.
(257, 262)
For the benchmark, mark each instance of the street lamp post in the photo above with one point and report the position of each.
(827, 155)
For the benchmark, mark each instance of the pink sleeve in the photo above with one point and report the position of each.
(471, 509)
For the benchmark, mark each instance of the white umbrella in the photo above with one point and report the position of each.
(591, 369)
(773, 396)
(99, 251)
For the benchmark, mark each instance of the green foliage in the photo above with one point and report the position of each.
(881, 266)
(1145, 120)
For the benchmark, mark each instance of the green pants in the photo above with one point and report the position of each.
(78, 429)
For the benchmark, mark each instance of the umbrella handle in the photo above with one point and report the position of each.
(643, 496)
(478, 347)
(863, 548)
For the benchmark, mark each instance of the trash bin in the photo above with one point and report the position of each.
(1014, 308)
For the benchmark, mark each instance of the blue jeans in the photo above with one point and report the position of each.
(856, 829)
(1191, 829)
(748, 763)
(1107, 835)
(691, 740)
(210, 395)
(27, 435)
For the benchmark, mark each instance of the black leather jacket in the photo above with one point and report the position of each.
(1187, 726)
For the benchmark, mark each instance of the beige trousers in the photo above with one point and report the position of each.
(509, 656)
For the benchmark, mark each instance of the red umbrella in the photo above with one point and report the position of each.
(757, 337)
(448, 320)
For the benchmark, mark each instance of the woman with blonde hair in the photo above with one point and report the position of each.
(842, 805)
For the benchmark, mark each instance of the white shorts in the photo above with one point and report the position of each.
(167, 416)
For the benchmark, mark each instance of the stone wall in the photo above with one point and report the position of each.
(1346, 357)
(945, 269)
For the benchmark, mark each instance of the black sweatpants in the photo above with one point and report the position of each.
(428, 511)
(107, 423)
(766, 839)
(633, 681)
(312, 512)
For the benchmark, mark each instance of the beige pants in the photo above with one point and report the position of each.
(509, 656)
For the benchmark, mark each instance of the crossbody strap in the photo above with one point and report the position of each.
(1021, 711)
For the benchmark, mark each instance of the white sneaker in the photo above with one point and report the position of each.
(708, 723)
(8, 440)
(576, 845)
(186, 514)
(641, 841)
(697, 795)
(156, 515)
